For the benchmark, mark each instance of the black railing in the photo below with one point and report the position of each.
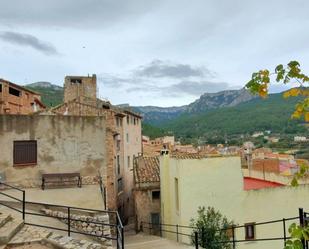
(196, 235)
(116, 227)
(20, 200)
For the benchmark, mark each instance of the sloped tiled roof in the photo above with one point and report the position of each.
(186, 155)
(253, 183)
(147, 169)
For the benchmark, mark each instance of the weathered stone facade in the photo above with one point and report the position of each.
(146, 190)
(15, 99)
(123, 139)
(80, 86)
(65, 144)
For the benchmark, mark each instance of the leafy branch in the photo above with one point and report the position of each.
(298, 233)
(260, 81)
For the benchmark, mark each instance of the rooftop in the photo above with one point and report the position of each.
(147, 169)
(19, 87)
(253, 183)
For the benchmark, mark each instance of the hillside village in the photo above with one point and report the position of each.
(166, 124)
(88, 154)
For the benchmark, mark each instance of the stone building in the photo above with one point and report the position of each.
(123, 138)
(15, 99)
(36, 144)
(146, 190)
(132, 147)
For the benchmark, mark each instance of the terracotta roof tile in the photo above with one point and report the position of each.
(147, 169)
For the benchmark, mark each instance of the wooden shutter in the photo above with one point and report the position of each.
(25, 152)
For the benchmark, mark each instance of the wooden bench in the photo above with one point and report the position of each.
(62, 178)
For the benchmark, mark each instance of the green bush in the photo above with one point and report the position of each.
(213, 228)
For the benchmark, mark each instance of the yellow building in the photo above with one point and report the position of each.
(188, 182)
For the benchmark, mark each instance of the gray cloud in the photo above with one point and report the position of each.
(166, 79)
(161, 69)
(197, 88)
(193, 88)
(28, 40)
(82, 14)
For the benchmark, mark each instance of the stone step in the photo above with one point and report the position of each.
(9, 230)
(4, 218)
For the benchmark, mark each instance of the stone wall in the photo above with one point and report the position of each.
(86, 88)
(64, 144)
(110, 181)
(145, 206)
(92, 225)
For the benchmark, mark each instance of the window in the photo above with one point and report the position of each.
(25, 152)
(250, 231)
(176, 195)
(156, 195)
(14, 92)
(79, 81)
(129, 163)
(120, 185)
(127, 137)
(118, 164)
(0, 88)
(128, 119)
(118, 121)
(118, 145)
(134, 121)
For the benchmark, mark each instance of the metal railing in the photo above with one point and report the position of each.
(116, 227)
(197, 235)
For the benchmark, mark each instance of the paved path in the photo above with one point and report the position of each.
(143, 241)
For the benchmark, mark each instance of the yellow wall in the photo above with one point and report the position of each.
(218, 182)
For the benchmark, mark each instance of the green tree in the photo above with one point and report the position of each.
(212, 228)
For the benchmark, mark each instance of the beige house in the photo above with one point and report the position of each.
(132, 147)
(190, 182)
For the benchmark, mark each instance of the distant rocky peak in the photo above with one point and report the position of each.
(44, 84)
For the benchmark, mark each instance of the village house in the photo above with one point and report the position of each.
(42, 144)
(189, 182)
(123, 138)
(146, 190)
(15, 99)
(83, 135)
(300, 139)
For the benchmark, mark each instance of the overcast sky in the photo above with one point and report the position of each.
(155, 52)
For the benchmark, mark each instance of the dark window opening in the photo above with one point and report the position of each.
(128, 119)
(25, 152)
(105, 107)
(118, 164)
(14, 92)
(0, 88)
(120, 187)
(155, 195)
(250, 231)
(79, 81)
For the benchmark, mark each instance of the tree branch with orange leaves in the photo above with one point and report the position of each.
(260, 81)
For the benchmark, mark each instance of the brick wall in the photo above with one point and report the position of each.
(21, 104)
(267, 165)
